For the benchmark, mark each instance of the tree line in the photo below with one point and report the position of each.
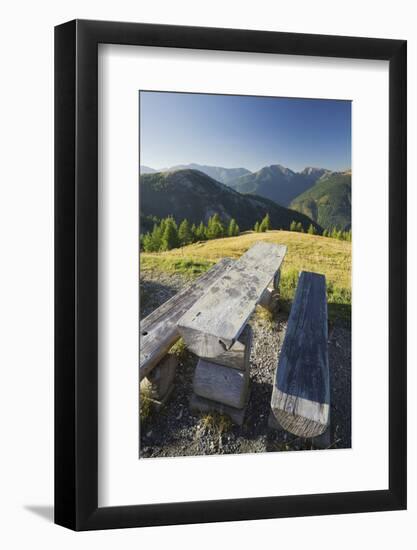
(338, 234)
(263, 225)
(333, 233)
(166, 234)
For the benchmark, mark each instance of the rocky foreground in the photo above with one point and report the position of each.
(176, 431)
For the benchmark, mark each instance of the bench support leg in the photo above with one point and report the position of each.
(270, 298)
(159, 383)
(222, 385)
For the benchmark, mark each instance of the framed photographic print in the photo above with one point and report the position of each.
(230, 247)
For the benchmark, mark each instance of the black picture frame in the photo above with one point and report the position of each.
(76, 272)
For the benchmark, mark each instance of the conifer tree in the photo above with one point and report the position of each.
(265, 224)
(215, 228)
(233, 229)
(146, 242)
(163, 224)
(194, 233)
(184, 233)
(209, 230)
(201, 232)
(170, 235)
(156, 238)
(311, 230)
(256, 228)
(293, 226)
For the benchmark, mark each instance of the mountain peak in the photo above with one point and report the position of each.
(279, 168)
(146, 169)
(278, 183)
(312, 170)
(223, 175)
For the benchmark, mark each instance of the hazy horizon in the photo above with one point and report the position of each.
(164, 168)
(244, 131)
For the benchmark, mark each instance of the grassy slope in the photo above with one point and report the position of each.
(328, 202)
(305, 252)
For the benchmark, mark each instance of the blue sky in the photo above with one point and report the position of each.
(243, 131)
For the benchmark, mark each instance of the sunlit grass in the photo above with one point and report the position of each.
(163, 261)
(330, 257)
(216, 423)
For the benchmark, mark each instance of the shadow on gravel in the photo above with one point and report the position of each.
(152, 295)
(257, 412)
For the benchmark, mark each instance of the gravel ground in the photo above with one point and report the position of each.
(176, 431)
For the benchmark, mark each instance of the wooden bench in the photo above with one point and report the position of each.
(300, 400)
(159, 332)
(214, 322)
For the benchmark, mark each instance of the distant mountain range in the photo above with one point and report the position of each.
(193, 195)
(223, 175)
(275, 182)
(329, 201)
(322, 195)
(278, 183)
(146, 169)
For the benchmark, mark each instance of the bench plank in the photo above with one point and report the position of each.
(301, 395)
(213, 324)
(158, 331)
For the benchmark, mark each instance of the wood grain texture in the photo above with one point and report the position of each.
(238, 356)
(269, 299)
(222, 384)
(213, 324)
(301, 394)
(158, 383)
(225, 384)
(322, 441)
(158, 331)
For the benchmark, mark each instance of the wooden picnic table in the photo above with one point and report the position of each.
(214, 322)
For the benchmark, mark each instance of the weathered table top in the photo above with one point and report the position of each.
(215, 321)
